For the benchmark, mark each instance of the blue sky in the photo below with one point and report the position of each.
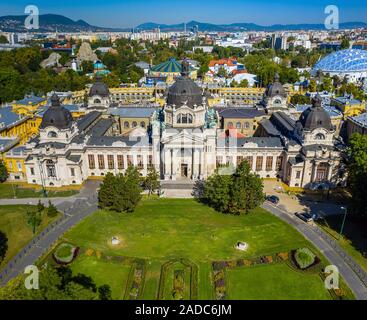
(130, 13)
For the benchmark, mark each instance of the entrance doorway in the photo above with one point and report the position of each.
(184, 170)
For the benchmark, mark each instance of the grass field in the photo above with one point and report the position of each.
(354, 239)
(11, 191)
(164, 229)
(275, 282)
(113, 274)
(13, 222)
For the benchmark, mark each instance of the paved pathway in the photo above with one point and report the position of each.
(74, 210)
(348, 268)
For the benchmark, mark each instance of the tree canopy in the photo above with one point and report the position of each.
(357, 165)
(122, 192)
(237, 193)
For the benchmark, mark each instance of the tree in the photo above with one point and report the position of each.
(246, 192)
(3, 172)
(105, 292)
(40, 206)
(3, 39)
(216, 191)
(357, 165)
(121, 193)
(237, 193)
(345, 43)
(222, 72)
(300, 99)
(151, 181)
(107, 191)
(132, 192)
(3, 245)
(51, 210)
(34, 220)
(244, 83)
(54, 284)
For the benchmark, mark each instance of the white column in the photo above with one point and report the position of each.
(167, 164)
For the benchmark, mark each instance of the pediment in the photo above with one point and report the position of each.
(183, 138)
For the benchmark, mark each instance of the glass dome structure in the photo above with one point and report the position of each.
(343, 61)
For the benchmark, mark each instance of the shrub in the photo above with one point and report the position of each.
(283, 255)
(51, 210)
(304, 258)
(65, 253)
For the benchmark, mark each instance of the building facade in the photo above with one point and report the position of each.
(184, 140)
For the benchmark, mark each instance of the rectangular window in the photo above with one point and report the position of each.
(269, 163)
(259, 163)
(219, 161)
(140, 162)
(298, 174)
(72, 172)
(129, 160)
(32, 171)
(111, 162)
(228, 160)
(19, 166)
(120, 161)
(150, 160)
(239, 160)
(101, 161)
(92, 162)
(250, 161)
(279, 163)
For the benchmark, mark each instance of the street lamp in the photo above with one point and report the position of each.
(41, 174)
(345, 216)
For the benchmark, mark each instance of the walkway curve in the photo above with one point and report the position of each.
(74, 209)
(312, 234)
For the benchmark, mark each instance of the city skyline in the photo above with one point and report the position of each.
(132, 13)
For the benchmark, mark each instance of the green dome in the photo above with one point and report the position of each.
(170, 66)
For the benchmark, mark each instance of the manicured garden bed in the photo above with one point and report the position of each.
(65, 253)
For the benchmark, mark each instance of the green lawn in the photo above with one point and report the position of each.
(354, 239)
(11, 191)
(164, 229)
(113, 274)
(13, 222)
(275, 282)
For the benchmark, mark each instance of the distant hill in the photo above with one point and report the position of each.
(53, 22)
(244, 26)
(49, 23)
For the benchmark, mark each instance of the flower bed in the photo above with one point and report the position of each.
(178, 285)
(304, 258)
(65, 253)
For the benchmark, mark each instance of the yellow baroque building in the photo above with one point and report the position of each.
(349, 106)
(29, 105)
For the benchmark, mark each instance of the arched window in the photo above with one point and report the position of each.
(97, 101)
(52, 134)
(238, 125)
(184, 118)
(230, 125)
(126, 124)
(142, 124)
(134, 124)
(51, 170)
(320, 136)
(277, 101)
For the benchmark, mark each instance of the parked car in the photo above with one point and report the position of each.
(273, 199)
(306, 217)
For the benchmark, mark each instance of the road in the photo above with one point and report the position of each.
(74, 210)
(332, 253)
